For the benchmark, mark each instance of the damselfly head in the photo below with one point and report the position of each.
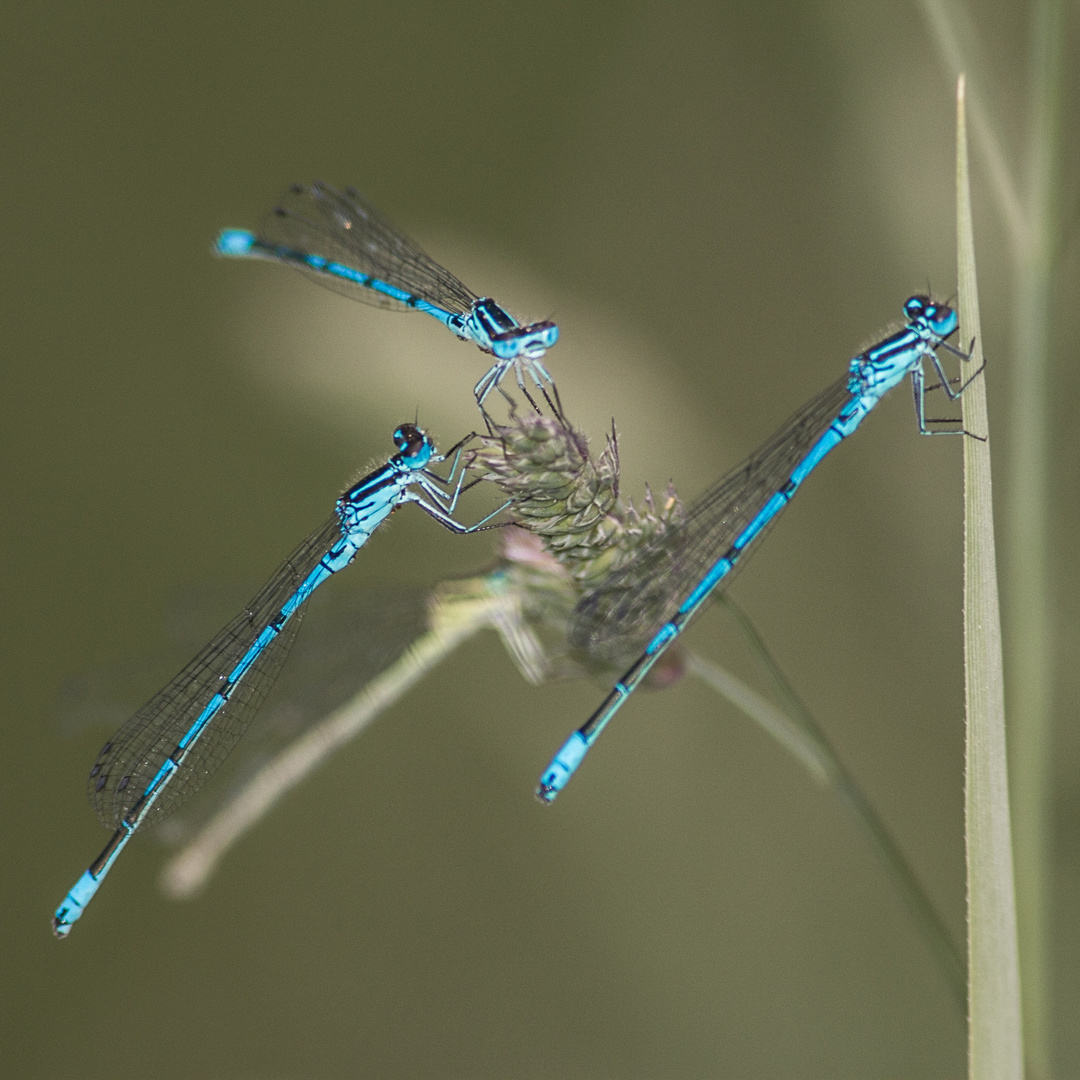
(531, 341)
(939, 318)
(414, 447)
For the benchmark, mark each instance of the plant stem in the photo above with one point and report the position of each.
(798, 733)
(1027, 551)
(995, 1046)
(473, 605)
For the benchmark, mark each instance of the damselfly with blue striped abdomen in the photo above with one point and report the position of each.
(169, 748)
(578, 528)
(667, 583)
(342, 241)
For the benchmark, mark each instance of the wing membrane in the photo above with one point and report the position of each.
(132, 758)
(618, 618)
(342, 226)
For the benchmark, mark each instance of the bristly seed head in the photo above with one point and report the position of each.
(569, 499)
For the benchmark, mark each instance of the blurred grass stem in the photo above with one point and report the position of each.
(995, 1047)
(1028, 547)
(798, 733)
(1031, 222)
(471, 606)
(942, 19)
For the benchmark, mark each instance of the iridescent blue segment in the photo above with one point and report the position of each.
(175, 742)
(235, 242)
(72, 907)
(570, 756)
(653, 598)
(343, 242)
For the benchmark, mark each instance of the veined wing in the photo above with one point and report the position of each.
(133, 757)
(618, 618)
(343, 227)
(352, 634)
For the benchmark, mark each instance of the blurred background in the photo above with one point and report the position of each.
(719, 204)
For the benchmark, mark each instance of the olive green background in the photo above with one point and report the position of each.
(719, 203)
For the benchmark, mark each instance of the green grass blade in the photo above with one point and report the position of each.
(995, 1048)
(953, 36)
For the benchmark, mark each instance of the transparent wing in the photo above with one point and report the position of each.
(617, 619)
(351, 636)
(132, 758)
(104, 697)
(342, 226)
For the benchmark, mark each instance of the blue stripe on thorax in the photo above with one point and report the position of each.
(900, 342)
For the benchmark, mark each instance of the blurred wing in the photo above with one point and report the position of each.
(351, 636)
(343, 227)
(132, 758)
(617, 619)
